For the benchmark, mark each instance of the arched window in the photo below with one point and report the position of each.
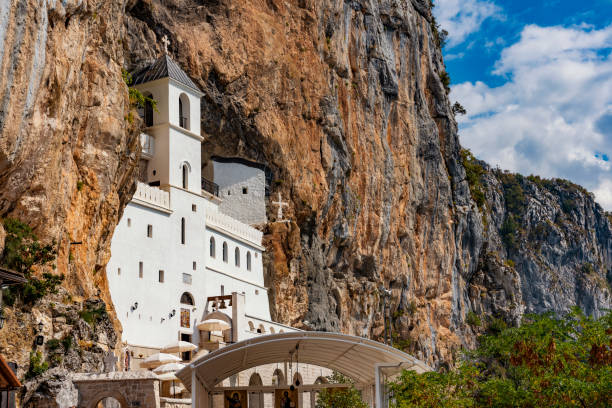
(212, 247)
(272, 330)
(237, 257)
(255, 379)
(225, 252)
(248, 260)
(251, 326)
(148, 111)
(183, 231)
(185, 176)
(184, 111)
(187, 299)
(278, 378)
(261, 329)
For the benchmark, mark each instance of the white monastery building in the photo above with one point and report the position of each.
(184, 251)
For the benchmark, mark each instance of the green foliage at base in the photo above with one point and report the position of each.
(37, 365)
(547, 362)
(340, 398)
(23, 251)
(473, 172)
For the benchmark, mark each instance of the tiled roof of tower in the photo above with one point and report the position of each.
(163, 67)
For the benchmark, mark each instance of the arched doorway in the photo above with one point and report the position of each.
(255, 398)
(108, 402)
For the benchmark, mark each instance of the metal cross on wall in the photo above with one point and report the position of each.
(280, 204)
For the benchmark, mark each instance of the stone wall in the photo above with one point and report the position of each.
(131, 389)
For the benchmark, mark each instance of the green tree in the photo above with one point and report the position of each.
(548, 361)
(340, 397)
(22, 251)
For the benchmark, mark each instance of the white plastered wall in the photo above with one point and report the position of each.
(249, 208)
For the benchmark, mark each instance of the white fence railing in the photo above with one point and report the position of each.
(229, 224)
(152, 195)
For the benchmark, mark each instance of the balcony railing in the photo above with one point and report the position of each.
(211, 187)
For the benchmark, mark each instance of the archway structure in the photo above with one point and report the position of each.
(356, 357)
(128, 388)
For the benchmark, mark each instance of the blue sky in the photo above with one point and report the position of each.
(536, 80)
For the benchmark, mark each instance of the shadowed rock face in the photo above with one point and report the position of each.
(343, 101)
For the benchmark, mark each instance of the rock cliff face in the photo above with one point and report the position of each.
(67, 152)
(344, 101)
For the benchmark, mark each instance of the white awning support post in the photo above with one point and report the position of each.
(200, 397)
(378, 394)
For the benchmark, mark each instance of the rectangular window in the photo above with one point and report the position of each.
(129, 222)
(118, 271)
(194, 208)
(140, 269)
(161, 276)
(187, 278)
(150, 231)
(245, 190)
(194, 265)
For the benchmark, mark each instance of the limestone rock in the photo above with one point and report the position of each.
(53, 389)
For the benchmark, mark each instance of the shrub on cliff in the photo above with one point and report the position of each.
(546, 362)
(473, 173)
(23, 251)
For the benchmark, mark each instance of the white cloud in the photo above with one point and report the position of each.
(554, 114)
(463, 17)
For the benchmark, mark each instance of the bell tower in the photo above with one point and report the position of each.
(171, 139)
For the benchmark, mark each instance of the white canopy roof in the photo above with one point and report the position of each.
(353, 356)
